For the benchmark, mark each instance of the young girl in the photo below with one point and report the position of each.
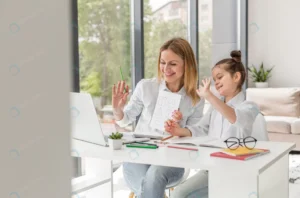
(230, 116)
(177, 73)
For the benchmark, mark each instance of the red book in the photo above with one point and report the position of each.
(242, 157)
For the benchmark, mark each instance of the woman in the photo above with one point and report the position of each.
(177, 73)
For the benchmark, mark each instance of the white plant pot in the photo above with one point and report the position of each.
(115, 144)
(262, 84)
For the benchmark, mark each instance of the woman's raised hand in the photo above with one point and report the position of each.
(119, 97)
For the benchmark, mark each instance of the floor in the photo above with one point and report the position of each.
(295, 176)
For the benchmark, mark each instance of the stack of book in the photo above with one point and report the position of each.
(241, 153)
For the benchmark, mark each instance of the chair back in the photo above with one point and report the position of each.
(259, 129)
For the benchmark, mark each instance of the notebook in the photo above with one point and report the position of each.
(193, 141)
(148, 135)
(214, 143)
(242, 157)
(242, 151)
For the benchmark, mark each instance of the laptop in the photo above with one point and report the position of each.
(85, 125)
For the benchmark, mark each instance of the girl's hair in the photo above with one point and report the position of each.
(233, 65)
(190, 77)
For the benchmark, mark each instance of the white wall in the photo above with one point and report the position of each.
(35, 62)
(274, 38)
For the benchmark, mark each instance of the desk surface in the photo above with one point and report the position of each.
(184, 158)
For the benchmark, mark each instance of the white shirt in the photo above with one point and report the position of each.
(215, 125)
(143, 102)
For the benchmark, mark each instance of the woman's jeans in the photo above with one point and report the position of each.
(150, 181)
(194, 187)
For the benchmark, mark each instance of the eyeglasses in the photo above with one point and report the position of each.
(233, 142)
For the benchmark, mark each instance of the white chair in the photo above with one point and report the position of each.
(184, 177)
(259, 130)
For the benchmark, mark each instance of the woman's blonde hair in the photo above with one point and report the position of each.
(182, 48)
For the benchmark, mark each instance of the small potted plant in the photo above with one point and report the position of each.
(260, 76)
(115, 141)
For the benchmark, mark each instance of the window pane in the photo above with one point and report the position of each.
(205, 37)
(104, 48)
(163, 20)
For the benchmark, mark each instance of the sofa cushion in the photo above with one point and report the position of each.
(279, 124)
(276, 101)
(295, 127)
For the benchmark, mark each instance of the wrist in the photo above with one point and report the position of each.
(208, 95)
(118, 113)
(117, 110)
(184, 132)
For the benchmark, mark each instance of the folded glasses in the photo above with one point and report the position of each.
(248, 142)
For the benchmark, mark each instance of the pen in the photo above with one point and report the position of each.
(142, 146)
(164, 139)
(184, 148)
(122, 77)
(145, 143)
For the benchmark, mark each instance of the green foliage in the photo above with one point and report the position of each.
(161, 32)
(260, 75)
(105, 44)
(116, 136)
(91, 83)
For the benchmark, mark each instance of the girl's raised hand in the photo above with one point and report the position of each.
(204, 90)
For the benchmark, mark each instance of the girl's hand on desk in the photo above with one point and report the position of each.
(176, 116)
(173, 128)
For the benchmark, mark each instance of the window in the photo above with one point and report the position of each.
(104, 48)
(205, 40)
(160, 29)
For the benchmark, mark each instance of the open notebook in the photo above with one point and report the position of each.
(149, 135)
(198, 141)
(204, 141)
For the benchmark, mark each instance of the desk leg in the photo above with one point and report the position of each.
(272, 183)
(102, 170)
(112, 178)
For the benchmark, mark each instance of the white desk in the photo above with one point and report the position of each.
(264, 177)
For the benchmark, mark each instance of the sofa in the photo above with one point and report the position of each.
(281, 109)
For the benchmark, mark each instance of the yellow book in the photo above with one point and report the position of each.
(242, 151)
